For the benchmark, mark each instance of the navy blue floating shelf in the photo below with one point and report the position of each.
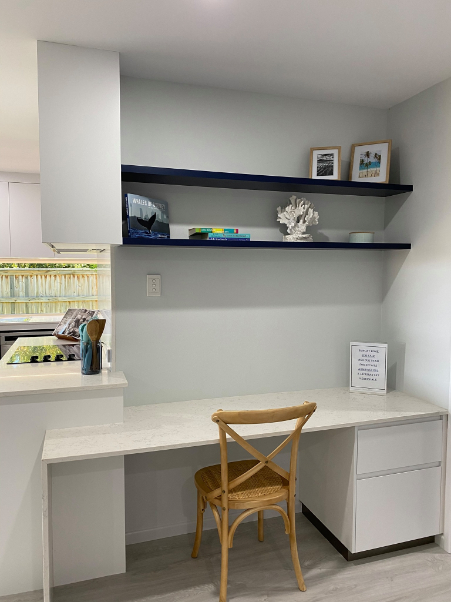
(213, 179)
(261, 244)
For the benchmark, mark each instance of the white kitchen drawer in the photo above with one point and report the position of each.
(398, 507)
(399, 446)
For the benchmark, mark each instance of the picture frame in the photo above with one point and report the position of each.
(368, 368)
(325, 165)
(370, 161)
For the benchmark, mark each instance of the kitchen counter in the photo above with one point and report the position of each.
(50, 377)
(29, 321)
(35, 397)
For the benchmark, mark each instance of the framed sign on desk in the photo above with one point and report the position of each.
(368, 370)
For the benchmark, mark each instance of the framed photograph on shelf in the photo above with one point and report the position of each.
(325, 163)
(370, 161)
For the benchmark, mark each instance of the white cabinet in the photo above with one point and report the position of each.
(377, 486)
(400, 446)
(80, 145)
(398, 507)
(5, 241)
(25, 222)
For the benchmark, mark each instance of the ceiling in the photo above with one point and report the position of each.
(365, 53)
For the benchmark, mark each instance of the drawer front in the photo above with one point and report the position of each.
(399, 446)
(397, 508)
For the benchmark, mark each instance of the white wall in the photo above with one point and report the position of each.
(192, 127)
(416, 311)
(233, 322)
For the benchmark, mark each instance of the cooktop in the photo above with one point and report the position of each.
(60, 352)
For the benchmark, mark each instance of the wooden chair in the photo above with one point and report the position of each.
(254, 485)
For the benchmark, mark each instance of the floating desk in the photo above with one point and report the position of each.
(186, 424)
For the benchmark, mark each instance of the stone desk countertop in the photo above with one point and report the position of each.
(51, 377)
(188, 424)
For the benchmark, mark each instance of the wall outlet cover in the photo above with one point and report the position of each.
(154, 286)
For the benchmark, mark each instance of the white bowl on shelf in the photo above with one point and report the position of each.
(361, 237)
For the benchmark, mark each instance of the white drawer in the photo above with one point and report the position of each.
(397, 508)
(399, 446)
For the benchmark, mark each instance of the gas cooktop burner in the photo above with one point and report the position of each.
(34, 354)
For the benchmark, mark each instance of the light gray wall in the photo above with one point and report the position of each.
(234, 321)
(292, 313)
(417, 290)
(416, 311)
(192, 127)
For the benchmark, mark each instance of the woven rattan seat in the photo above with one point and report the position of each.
(266, 481)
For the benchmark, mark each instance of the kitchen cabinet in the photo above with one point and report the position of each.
(80, 146)
(25, 222)
(5, 241)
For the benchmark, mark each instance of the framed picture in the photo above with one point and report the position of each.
(368, 370)
(370, 161)
(325, 163)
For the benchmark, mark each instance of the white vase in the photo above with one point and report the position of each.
(298, 238)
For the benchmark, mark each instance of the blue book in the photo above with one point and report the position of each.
(223, 238)
(228, 236)
(146, 218)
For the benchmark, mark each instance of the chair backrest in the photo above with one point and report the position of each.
(223, 418)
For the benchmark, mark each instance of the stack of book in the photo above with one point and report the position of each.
(219, 234)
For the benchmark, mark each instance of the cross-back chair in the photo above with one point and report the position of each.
(250, 485)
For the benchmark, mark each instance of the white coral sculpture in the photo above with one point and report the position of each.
(297, 215)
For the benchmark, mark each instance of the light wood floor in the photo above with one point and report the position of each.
(163, 571)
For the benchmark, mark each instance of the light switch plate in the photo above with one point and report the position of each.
(154, 286)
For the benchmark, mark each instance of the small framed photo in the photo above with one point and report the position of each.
(325, 163)
(370, 161)
(368, 368)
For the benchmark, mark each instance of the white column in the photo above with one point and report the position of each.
(80, 500)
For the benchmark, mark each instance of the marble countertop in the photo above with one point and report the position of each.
(187, 424)
(50, 377)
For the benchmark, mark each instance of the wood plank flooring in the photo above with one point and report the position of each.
(163, 571)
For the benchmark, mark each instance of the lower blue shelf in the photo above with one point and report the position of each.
(262, 244)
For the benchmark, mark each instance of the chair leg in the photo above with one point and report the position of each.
(200, 523)
(294, 547)
(260, 526)
(224, 555)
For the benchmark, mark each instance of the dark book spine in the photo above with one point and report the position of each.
(128, 212)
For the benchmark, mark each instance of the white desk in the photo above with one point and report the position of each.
(186, 424)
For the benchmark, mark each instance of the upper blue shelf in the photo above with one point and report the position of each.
(262, 244)
(215, 179)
